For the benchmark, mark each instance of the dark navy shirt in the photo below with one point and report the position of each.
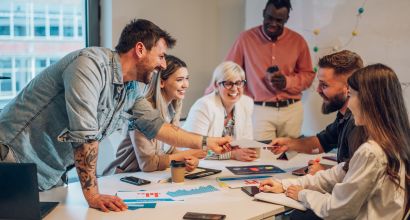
(336, 135)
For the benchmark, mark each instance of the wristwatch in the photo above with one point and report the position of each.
(204, 142)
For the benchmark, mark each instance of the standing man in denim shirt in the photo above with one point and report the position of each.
(59, 118)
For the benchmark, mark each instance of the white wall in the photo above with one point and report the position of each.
(204, 29)
(383, 36)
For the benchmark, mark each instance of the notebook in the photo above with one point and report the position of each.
(19, 193)
(280, 199)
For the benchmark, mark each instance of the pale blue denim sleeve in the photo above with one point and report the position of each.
(82, 84)
(145, 118)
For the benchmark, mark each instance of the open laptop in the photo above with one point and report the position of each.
(19, 198)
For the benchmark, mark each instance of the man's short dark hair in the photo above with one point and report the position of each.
(140, 30)
(344, 62)
(280, 4)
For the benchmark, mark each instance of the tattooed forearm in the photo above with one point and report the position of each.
(86, 163)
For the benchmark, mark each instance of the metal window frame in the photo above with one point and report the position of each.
(92, 23)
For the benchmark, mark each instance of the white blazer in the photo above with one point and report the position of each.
(206, 117)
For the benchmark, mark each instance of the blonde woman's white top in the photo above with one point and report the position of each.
(207, 115)
(364, 192)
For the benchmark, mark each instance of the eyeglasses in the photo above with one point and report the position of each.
(230, 84)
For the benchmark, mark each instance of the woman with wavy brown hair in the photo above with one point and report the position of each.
(375, 183)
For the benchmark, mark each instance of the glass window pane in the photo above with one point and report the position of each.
(23, 72)
(5, 63)
(20, 26)
(23, 59)
(40, 64)
(53, 60)
(39, 26)
(5, 84)
(5, 7)
(54, 26)
(68, 29)
(4, 25)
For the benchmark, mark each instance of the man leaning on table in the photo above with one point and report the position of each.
(334, 70)
(59, 118)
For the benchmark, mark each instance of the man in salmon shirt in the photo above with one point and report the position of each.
(278, 68)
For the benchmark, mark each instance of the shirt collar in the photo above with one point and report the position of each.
(284, 33)
(344, 117)
(117, 70)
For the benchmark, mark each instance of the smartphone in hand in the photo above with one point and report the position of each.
(251, 190)
(135, 180)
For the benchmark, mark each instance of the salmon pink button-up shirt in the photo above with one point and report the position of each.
(255, 52)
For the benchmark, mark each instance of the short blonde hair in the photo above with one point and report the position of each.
(227, 70)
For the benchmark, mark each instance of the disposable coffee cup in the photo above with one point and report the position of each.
(177, 171)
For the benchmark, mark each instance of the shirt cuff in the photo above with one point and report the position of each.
(79, 136)
(289, 83)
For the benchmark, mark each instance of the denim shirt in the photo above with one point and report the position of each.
(79, 99)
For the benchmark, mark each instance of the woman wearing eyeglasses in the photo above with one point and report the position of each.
(225, 111)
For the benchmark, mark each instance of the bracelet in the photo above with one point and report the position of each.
(204, 142)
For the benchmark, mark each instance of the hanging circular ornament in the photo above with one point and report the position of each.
(316, 32)
(315, 49)
(315, 69)
(354, 33)
(360, 10)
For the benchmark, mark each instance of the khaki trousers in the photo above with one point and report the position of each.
(271, 122)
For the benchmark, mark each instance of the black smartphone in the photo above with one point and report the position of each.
(199, 216)
(251, 190)
(301, 171)
(135, 180)
(272, 69)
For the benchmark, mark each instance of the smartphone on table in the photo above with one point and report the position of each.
(301, 171)
(251, 190)
(202, 216)
(135, 180)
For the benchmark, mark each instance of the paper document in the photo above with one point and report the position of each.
(240, 181)
(143, 196)
(280, 199)
(247, 143)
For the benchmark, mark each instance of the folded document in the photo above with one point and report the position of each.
(280, 199)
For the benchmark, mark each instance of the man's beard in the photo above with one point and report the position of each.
(334, 104)
(146, 72)
(148, 76)
(273, 35)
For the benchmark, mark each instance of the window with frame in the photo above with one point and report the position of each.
(35, 35)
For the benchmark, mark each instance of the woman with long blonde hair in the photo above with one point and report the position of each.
(137, 153)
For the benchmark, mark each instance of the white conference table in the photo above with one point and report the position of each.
(234, 203)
